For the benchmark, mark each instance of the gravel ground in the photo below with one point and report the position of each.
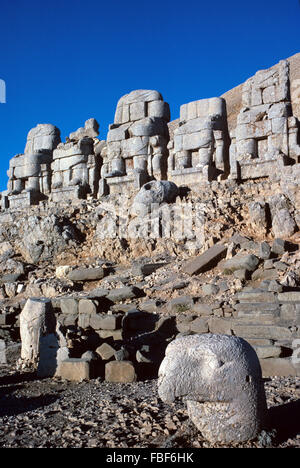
(54, 413)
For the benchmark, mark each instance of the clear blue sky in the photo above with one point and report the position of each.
(66, 61)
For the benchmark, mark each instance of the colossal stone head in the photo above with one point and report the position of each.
(220, 378)
(154, 192)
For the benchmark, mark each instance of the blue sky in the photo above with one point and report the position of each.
(66, 61)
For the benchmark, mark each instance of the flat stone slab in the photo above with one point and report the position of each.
(207, 260)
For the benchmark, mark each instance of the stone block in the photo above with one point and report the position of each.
(261, 274)
(121, 294)
(84, 320)
(282, 367)
(68, 319)
(220, 325)
(202, 309)
(137, 111)
(264, 352)
(88, 306)
(159, 109)
(69, 305)
(120, 372)
(206, 261)
(199, 325)
(75, 370)
(105, 351)
(289, 313)
(147, 269)
(105, 322)
(278, 246)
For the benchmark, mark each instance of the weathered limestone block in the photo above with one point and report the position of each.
(200, 141)
(137, 141)
(30, 173)
(120, 372)
(220, 378)
(105, 351)
(75, 370)
(36, 321)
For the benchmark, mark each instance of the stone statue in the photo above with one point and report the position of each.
(30, 173)
(75, 167)
(220, 378)
(137, 141)
(266, 131)
(200, 146)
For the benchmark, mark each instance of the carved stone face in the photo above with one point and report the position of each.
(220, 378)
(154, 192)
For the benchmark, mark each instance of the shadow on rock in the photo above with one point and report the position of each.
(285, 419)
(11, 405)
